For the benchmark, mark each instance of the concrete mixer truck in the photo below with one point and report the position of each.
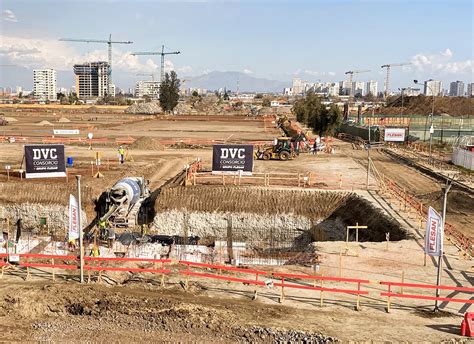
(123, 202)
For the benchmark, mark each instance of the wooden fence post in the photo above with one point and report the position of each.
(282, 295)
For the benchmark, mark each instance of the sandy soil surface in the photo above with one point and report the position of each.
(460, 204)
(142, 312)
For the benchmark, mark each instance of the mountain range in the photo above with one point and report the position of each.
(232, 80)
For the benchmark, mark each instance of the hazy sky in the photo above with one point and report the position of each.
(271, 39)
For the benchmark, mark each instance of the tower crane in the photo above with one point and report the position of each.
(351, 73)
(387, 78)
(109, 43)
(162, 53)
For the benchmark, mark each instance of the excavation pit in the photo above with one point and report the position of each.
(253, 225)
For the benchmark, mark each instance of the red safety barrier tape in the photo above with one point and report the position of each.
(47, 256)
(333, 290)
(55, 266)
(324, 278)
(424, 297)
(427, 286)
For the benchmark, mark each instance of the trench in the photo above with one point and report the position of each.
(258, 223)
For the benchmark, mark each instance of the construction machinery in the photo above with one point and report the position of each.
(123, 202)
(282, 149)
(162, 53)
(109, 43)
(387, 78)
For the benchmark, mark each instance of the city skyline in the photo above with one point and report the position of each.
(240, 36)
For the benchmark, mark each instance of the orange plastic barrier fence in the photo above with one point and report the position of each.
(391, 294)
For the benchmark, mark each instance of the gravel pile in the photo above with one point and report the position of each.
(257, 334)
(151, 108)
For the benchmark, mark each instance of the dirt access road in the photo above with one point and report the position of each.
(143, 312)
(460, 212)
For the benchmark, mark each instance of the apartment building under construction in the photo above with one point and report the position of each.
(92, 79)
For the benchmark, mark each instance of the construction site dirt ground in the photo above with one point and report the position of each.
(214, 311)
(140, 310)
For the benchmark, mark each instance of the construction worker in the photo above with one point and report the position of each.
(102, 227)
(121, 152)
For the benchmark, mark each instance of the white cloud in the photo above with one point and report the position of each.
(8, 15)
(185, 69)
(247, 71)
(441, 64)
(49, 53)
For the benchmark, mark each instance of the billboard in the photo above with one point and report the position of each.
(394, 134)
(231, 159)
(73, 232)
(44, 161)
(434, 234)
(66, 131)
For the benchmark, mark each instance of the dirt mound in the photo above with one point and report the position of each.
(10, 119)
(264, 201)
(458, 202)
(44, 123)
(147, 143)
(182, 145)
(67, 312)
(421, 105)
(64, 120)
(151, 108)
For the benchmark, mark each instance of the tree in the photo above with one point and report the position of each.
(226, 95)
(169, 92)
(369, 97)
(321, 119)
(195, 94)
(266, 102)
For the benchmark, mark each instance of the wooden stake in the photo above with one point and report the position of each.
(321, 295)
(403, 281)
(52, 263)
(282, 295)
(340, 263)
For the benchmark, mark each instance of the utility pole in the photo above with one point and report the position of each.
(440, 257)
(431, 117)
(79, 224)
(368, 152)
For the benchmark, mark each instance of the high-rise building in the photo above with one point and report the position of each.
(433, 87)
(456, 89)
(470, 89)
(358, 88)
(345, 88)
(92, 79)
(371, 87)
(147, 88)
(411, 92)
(44, 84)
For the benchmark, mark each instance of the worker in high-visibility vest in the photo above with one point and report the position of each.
(121, 152)
(102, 227)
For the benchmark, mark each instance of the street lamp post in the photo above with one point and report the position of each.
(402, 90)
(431, 119)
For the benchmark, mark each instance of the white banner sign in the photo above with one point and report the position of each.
(73, 218)
(394, 134)
(434, 234)
(66, 131)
